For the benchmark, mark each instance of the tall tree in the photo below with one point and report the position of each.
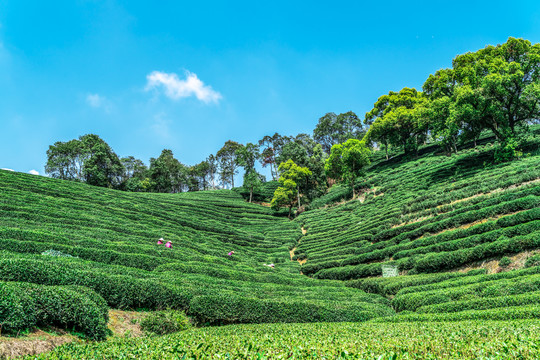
(65, 160)
(291, 179)
(135, 176)
(501, 85)
(347, 162)
(212, 162)
(88, 159)
(272, 147)
(444, 124)
(247, 155)
(336, 129)
(102, 166)
(228, 162)
(397, 119)
(304, 151)
(167, 174)
(132, 168)
(253, 182)
(201, 172)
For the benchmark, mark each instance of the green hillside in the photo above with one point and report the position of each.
(69, 252)
(108, 239)
(430, 214)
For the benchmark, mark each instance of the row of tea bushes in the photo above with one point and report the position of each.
(24, 306)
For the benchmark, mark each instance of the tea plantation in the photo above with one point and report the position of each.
(57, 235)
(69, 252)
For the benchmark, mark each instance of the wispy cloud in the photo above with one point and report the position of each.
(94, 100)
(160, 126)
(176, 89)
(98, 101)
(7, 169)
(33, 172)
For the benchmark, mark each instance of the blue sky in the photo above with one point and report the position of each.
(190, 75)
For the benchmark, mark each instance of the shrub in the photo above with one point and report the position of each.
(533, 261)
(164, 322)
(505, 261)
(17, 308)
(230, 309)
(24, 305)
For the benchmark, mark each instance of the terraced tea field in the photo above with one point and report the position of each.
(463, 232)
(463, 340)
(428, 215)
(109, 242)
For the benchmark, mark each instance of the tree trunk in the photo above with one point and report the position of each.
(250, 194)
(298, 195)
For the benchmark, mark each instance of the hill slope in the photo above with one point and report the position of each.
(431, 214)
(82, 250)
(107, 242)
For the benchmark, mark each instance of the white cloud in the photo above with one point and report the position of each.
(176, 88)
(33, 172)
(99, 102)
(7, 169)
(94, 100)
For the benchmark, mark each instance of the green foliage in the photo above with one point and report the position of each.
(507, 150)
(495, 88)
(271, 149)
(88, 159)
(291, 180)
(112, 237)
(263, 193)
(164, 322)
(229, 160)
(505, 261)
(347, 162)
(23, 306)
(221, 310)
(533, 261)
(396, 119)
(468, 340)
(167, 174)
(335, 129)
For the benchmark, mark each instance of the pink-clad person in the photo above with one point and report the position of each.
(230, 253)
(160, 241)
(168, 244)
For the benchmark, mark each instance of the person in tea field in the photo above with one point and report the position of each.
(230, 253)
(168, 244)
(160, 241)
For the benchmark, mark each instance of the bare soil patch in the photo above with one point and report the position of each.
(34, 343)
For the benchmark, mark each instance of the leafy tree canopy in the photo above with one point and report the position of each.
(291, 179)
(336, 129)
(347, 161)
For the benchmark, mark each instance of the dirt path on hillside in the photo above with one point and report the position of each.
(291, 252)
(492, 265)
